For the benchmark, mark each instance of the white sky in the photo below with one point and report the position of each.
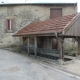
(43, 1)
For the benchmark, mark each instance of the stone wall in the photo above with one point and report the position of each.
(23, 15)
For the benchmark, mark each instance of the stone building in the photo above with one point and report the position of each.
(13, 17)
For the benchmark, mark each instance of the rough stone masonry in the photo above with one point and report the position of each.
(23, 14)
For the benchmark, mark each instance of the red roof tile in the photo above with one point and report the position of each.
(47, 26)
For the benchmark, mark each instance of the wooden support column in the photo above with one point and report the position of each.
(78, 46)
(60, 43)
(28, 40)
(35, 46)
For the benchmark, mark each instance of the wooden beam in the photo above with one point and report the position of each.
(28, 40)
(35, 46)
(60, 45)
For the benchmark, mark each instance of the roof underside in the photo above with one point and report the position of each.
(47, 27)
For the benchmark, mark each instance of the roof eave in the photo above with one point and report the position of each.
(20, 35)
(8, 4)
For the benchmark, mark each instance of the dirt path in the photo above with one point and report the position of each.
(73, 66)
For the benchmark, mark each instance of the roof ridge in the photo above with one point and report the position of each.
(54, 18)
(66, 15)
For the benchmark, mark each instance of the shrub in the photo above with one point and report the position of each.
(66, 53)
(74, 54)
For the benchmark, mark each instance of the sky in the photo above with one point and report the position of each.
(43, 1)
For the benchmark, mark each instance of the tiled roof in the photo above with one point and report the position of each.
(47, 26)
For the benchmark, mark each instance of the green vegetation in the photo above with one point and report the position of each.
(74, 54)
(66, 53)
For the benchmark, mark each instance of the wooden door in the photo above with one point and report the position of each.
(54, 43)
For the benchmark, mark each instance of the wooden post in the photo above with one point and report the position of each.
(28, 40)
(61, 54)
(78, 46)
(35, 46)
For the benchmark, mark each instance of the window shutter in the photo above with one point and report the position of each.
(6, 25)
(12, 24)
(55, 12)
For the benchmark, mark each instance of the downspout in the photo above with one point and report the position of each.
(56, 34)
(75, 8)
